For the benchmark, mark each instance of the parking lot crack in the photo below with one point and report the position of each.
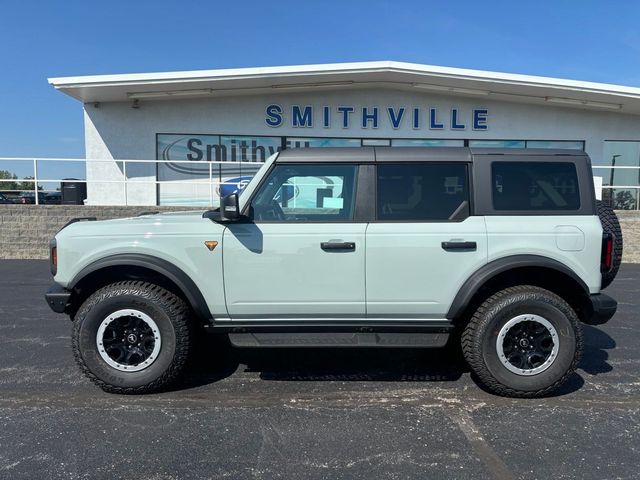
(481, 448)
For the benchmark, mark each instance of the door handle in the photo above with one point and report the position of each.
(338, 246)
(453, 246)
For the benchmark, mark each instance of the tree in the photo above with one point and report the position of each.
(16, 184)
(6, 175)
(624, 201)
(28, 185)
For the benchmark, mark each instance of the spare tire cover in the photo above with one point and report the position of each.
(611, 225)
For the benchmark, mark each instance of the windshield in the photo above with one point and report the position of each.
(258, 173)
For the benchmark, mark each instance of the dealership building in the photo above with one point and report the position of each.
(221, 124)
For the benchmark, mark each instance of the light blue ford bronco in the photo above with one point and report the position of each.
(506, 251)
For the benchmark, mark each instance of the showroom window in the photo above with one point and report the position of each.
(569, 144)
(221, 148)
(497, 143)
(297, 142)
(421, 192)
(620, 154)
(376, 142)
(184, 179)
(424, 142)
(573, 145)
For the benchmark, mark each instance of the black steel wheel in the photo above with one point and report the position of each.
(527, 344)
(129, 340)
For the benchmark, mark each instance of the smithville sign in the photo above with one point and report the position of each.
(372, 117)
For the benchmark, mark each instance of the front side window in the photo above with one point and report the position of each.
(535, 186)
(306, 193)
(421, 191)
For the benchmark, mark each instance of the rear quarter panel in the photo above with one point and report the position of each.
(573, 240)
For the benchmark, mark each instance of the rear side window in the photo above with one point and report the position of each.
(535, 186)
(421, 191)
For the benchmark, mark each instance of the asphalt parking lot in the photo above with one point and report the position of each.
(310, 413)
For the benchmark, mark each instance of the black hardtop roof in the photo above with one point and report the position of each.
(408, 154)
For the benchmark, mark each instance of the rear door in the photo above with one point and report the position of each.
(423, 244)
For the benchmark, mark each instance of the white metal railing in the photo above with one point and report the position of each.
(212, 171)
(633, 187)
(213, 175)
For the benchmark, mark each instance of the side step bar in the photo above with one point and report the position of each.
(338, 339)
(426, 333)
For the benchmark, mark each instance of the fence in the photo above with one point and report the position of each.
(623, 196)
(42, 176)
(37, 177)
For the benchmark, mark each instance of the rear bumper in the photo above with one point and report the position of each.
(58, 298)
(603, 308)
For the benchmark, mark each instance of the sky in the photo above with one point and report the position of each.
(584, 40)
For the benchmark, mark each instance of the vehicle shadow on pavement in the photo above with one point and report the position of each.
(366, 364)
(215, 359)
(595, 356)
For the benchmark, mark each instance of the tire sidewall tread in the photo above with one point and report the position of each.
(170, 313)
(611, 225)
(480, 335)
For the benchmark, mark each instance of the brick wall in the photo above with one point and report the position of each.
(630, 223)
(25, 230)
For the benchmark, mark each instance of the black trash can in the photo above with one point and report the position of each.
(73, 192)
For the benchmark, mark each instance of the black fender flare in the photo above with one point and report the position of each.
(186, 285)
(485, 273)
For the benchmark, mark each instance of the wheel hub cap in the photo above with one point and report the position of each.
(128, 340)
(527, 344)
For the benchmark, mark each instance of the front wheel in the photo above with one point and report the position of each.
(132, 337)
(523, 341)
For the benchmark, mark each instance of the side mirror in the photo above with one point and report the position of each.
(230, 207)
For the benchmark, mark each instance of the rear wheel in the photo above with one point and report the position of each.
(523, 341)
(132, 337)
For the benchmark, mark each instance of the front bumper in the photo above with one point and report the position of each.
(58, 298)
(603, 308)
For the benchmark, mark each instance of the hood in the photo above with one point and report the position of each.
(170, 223)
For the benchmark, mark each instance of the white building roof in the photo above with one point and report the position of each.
(342, 76)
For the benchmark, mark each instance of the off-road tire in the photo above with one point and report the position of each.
(480, 336)
(611, 225)
(169, 312)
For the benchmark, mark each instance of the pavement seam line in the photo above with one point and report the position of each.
(492, 462)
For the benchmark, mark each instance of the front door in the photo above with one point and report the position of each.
(423, 244)
(301, 256)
